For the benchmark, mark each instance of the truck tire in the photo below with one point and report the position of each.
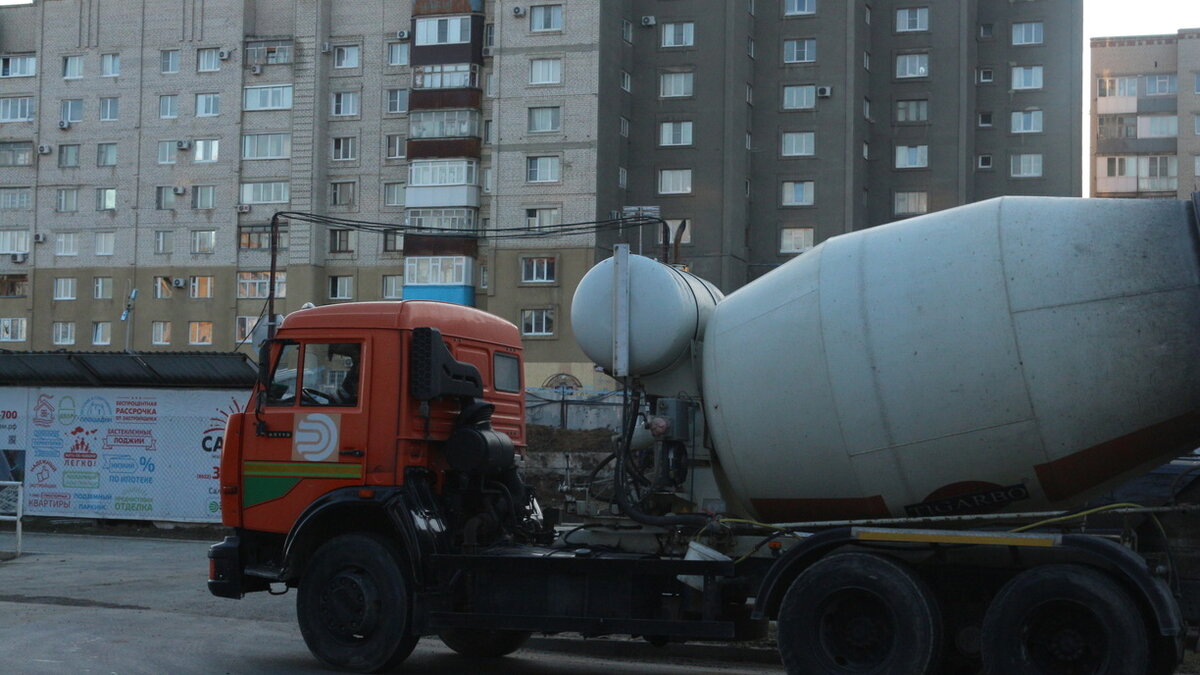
(1071, 619)
(859, 613)
(482, 643)
(353, 605)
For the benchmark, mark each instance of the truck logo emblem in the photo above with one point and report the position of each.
(316, 437)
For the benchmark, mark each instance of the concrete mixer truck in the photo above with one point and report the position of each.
(887, 446)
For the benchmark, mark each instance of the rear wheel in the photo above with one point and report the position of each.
(1064, 620)
(859, 613)
(482, 643)
(353, 605)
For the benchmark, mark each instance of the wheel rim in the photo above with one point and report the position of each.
(349, 605)
(856, 630)
(1064, 637)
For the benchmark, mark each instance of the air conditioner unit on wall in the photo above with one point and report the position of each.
(487, 51)
(179, 189)
(401, 35)
(326, 47)
(224, 54)
(183, 145)
(64, 124)
(243, 208)
(179, 282)
(39, 238)
(20, 257)
(518, 11)
(649, 21)
(824, 92)
(256, 70)
(45, 149)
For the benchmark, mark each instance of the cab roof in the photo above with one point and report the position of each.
(450, 319)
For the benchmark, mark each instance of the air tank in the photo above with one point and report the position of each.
(1014, 354)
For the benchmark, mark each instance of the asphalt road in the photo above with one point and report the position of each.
(97, 604)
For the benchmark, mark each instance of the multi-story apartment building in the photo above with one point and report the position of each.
(144, 146)
(1145, 121)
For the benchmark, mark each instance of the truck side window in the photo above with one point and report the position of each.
(506, 373)
(331, 374)
(282, 390)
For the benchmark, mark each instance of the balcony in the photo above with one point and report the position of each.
(441, 195)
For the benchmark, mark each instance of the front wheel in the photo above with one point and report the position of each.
(481, 643)
(353, 605)
(859, 613)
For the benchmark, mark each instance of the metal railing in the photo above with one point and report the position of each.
(17, 507)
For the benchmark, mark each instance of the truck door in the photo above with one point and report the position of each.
(311, 434)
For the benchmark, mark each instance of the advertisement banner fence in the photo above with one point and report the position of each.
(144, 454)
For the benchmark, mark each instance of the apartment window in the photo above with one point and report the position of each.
(542, 169)
(442, 219)
(397, 100)
(206, 150)
(106, 199)
(110, 65)
(168, 106)
(537, 270)
(267, 146)
(1026, 166)
(545, 71)
(1119, 86)
(106, 243)
(200, 332)
(18, 66)
(110, 109)
(794, 7)
(102, 288)
(267, 52)
(393, 286)
(542, 219)
(63, 332)
(395, 146)
(14, 285)
(867, 109)
(1161, 85)
(341, 287)
(345, 148)
(207, 60)
(912, 65)
(537, 322)
(544, 119)
(984, 120)
(985, 75)
(72, 110)
(986, 31)
(675, 133)
(398, 54)
(259, 237)
(160, 332)
(168, 151)
(1027, 77)
(200, 287)
(101, 333)
(163, 240)
(797, 143)
(795, 239)
(345, 103)
(393, 194)
(341, 193)
(912, 19)
(106, 154)
(799, 96)
(164, 197)
(68, 200)
(436, 270)
(393, 242)
(430, 172)
(449, 123)
(1161, 126)
(674, 84)
(64, 288)
(1027, 33)
(1196, 125)
(271, 97)
(623, 126)
(68, 155)
(66, 243)
(912, 156)
(1120, 166)
(674, 181)
(622, 177)
(627, 31)
(163, 288)
(16, 108)
(1026, 122)
(450, 76)
(912, 110)
(798, 193)
(168, 61)
(443, 30)
(910, 203)
(252, 285)
(204, 241)
(208, 105)
(545, 18)
(16, 199)
(72, 67)
(204, 197)
(12, 329)
(244, 328)
(679, 34)
(270, 192)
(14, 241)
(346, 56)
(17, 153)
(800, 51)
(866, 60)
(626, 81)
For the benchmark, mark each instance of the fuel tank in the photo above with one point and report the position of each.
(1013, 354)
